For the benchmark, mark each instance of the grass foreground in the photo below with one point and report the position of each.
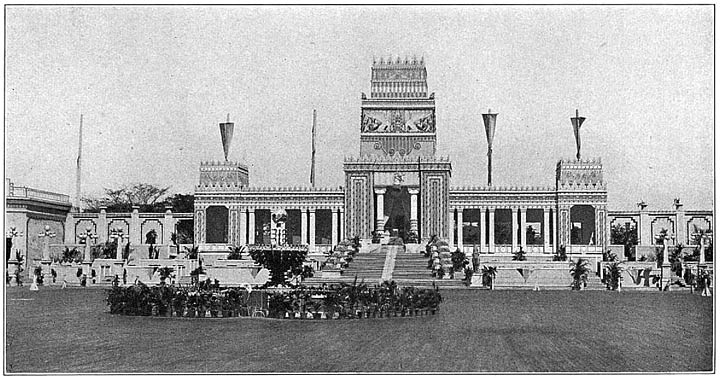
(71, 331)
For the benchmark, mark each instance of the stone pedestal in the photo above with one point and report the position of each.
(12, 268)
(47, 275)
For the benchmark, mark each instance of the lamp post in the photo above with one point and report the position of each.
(13, 262)
(87, 237)
(489, 119)
(45, 262)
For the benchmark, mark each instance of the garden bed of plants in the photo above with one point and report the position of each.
(344, 301)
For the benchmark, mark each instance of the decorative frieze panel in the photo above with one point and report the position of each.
(359, 207)
(397, 121)
(564, 223)
(226, 175)
(434, 210)
(199, 225)
(233, 236)
(580, 175)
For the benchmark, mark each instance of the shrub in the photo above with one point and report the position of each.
(519, 255)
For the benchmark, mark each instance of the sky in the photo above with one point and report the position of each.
(153, 83)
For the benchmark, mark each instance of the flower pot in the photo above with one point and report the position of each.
(316, 315)
(155, 311)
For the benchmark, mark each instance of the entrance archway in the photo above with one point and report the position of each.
(216, 230)
(397, 211)
(582, 223)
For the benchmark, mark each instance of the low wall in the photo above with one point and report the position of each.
(521, 274)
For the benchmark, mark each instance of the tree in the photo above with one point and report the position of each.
(579, 271)
(121, 200)
(181, 203)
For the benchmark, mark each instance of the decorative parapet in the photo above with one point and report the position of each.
(222, 175)
(397, 163)
(580, 175)
(503, 189)
(29, 193)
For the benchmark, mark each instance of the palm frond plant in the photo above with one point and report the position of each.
(192, 253)
(560, 254)
(235, 252)
(613, 275)
(165, 272)
(519, 255)
(579, 270)
(488, 276)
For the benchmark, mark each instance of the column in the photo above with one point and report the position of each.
(102, 225)
(556, 229)
(242, 227)
(483, 236)
(680, 226)
(451, 227)
(334, 232)
(702, 250)
(546, 230)
(514, 228)
(312, 227)
(69, 230)
(303, 226)
(274, 237)
(134, 230)
(380, 206)
(168, 225)
(523, 228)
(413, 209)
(342, 225)
(491, 231)
(251, 226)
(644, 229)
(460, 228)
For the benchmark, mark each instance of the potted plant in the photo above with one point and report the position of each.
(579, 270)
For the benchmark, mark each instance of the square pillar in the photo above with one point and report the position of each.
(342, 225)
(413, 209)
(380, 206)
(334, 232)
(460, 228)
(546, 230)
(134, 229)
(312, 228)
(102, 225)
(523, 228)
(242, 227)
(303, 226)
(251, 226)
(644, 229)
(491, 231)
(514, 228)
(168, 225)
(483, 234)
(451, 227)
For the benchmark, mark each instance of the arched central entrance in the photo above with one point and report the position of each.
(397, 211)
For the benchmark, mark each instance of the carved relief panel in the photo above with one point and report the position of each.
(397, 121)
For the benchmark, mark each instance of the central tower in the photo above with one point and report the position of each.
(399, 117)
(397, 185)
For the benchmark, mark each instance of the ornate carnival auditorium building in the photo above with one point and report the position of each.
(398, 184)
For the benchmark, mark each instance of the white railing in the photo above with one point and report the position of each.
(22, 191)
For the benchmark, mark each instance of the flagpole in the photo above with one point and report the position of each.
(312, 161)
(79, 167)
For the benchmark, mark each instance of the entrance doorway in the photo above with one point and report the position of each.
(397, 211)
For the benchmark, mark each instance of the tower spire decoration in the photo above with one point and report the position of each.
(226, 133)
(489, 119)
(312, 158)
(577, 121)
(79, 167)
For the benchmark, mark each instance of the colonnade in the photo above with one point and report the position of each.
(487, 216)
(308, 224)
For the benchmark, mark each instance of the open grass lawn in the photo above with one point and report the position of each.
(70, 331)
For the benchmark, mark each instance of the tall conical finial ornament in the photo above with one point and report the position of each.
(226, 133)
(490, 118)
(577, 121)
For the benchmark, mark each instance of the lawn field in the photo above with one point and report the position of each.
(70, 331)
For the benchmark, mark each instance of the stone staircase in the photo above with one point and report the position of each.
(411, 270)
(367, 266)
